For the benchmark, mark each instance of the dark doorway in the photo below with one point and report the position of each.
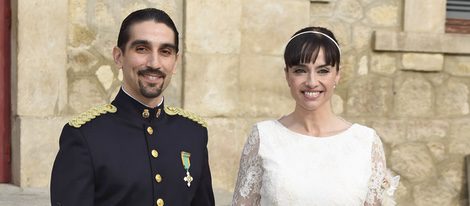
(5, 65)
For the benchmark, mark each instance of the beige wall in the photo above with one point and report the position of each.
(400, 74)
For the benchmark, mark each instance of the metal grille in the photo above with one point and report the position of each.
(458, 9)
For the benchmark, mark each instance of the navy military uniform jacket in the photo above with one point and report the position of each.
(126, 154)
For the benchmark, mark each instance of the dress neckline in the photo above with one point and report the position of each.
(337, 135)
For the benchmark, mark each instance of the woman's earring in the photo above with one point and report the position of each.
(334, 86)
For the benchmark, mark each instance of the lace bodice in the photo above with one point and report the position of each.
(281, 167)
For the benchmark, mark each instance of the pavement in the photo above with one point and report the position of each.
(11, 195)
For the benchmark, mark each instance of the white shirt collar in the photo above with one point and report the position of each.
(124, 90)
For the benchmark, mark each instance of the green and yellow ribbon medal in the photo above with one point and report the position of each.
(186, 164)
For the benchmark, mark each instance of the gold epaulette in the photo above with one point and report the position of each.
(189, 115)
(92, 113)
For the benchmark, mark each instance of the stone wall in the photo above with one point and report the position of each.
(415, 94)
(63, 67)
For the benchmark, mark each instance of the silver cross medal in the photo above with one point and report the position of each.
(188, 178)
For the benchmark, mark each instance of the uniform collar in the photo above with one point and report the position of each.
(127, 104)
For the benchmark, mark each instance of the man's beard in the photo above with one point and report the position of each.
(151, 90)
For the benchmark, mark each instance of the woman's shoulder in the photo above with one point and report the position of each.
(364, 131)
(265, 123)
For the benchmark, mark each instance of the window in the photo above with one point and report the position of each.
(458, 16)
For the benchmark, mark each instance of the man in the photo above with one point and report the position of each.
(136, 151)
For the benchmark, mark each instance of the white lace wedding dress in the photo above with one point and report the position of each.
(281, 167)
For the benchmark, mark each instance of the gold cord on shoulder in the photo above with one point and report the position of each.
(91, 114)
(178, 111)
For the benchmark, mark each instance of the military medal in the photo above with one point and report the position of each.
(186, 164)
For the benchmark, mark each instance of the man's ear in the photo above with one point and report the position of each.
(117, 56)
(176, 63)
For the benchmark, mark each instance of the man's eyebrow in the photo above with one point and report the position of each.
(139, 42)
(168, 45)
(145, 42)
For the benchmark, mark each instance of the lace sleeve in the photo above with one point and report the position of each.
(247, 189)
(382, 184)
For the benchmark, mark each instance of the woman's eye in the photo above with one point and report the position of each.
(323, 71)
(298, 70)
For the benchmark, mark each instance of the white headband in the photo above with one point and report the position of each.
(316, 32)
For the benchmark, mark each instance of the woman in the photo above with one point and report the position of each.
(312, 156)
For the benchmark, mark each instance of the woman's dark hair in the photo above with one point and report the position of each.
(138, 16)
(304, 48)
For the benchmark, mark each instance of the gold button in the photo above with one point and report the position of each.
(146, 113)
(150, 130)
(160, 202)
(158, 177)
(155, 153)
(158, 112)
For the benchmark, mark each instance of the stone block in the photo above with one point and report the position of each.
(213, 26)
(362, 36)
(104, 43)
(413, 161)
(438, 150)
(423, 62)
(414, 97)
(227, 137)
(457, 65)
(349, 10)
(36, 149)
(427, 130)
(81, 60)
(348, 69)
(453, 173)
(322, 8)
(261, 20)
(102, 16)
(211, 84)
(370, 96)
(383, 15)
(174, 92)
(85, 93)
(342, 31)
(384, 64)
(432, 192)
(386, 40)
(363, 66)
(173, 8)
(81, 35)
(41, 59)
(460, 128)
(452, 99)
(337, 104)
(431, 16)
(437, 79)
(106, 76)
(77, 11)
(403, 193)
(391, 131)
(263, 88)
(460, 137)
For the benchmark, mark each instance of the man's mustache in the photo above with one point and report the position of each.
(150, 70)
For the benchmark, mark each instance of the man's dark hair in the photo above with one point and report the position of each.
(138, 16)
